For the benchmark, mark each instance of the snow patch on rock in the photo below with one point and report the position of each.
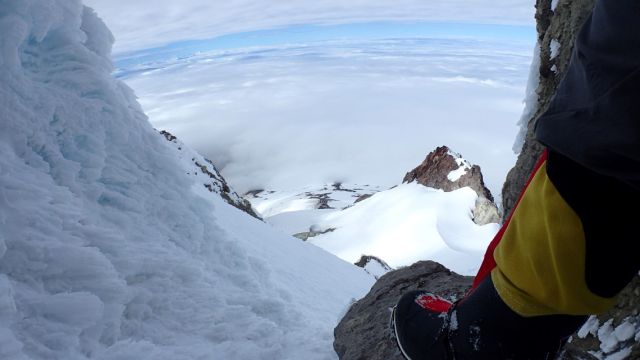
(554, 48)
(463, 167)
(531, 100)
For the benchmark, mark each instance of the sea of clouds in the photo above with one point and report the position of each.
(287, 116)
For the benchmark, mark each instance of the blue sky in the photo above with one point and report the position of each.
(139, 25)
(305, 34)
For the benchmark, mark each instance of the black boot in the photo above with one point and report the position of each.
(421, 324)
(484, 327)
(480, 326)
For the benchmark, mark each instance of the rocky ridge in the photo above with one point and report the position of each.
(448, 171)
(208, 174)
(335, 196)
(374, 265)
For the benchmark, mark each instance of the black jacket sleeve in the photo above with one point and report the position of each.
(594, 118)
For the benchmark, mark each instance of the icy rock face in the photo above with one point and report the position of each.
(448, 171)
(208, 175)
(364, 332)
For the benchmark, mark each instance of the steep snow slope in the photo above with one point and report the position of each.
(107, 248)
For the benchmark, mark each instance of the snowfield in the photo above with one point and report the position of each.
(402, 225)
(108, 249)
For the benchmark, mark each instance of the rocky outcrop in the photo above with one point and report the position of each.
(446, 170)
(364, 332)
(211, 178)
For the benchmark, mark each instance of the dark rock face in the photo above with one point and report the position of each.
(435, 170)
(364, 333)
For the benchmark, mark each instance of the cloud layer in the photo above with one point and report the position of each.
(139, 25)
(287, 117)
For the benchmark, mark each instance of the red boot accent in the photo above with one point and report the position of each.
(433, 303)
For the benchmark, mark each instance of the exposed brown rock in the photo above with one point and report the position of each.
(434, 173)
(436, 167)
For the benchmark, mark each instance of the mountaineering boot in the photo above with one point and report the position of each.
(420, 323)
(480, 326)
(484, 327)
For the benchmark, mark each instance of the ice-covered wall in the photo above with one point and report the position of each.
(107, 249)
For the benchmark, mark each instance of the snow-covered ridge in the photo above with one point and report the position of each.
(206, 173)
(330, 196)
(399, 226)
(108, 248)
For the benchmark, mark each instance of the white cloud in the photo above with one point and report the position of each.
(143, 24)
(364, 112)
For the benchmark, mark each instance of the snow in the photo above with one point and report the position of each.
(608, 341)
(589, 327)
(554, 47)
(620, 355)
(463, 166)
(554, 4)
(614, 341)
(625, 331)
(453, 325)
(294, 222)
(109, 249)
(410, 223)
(530, 100)
(270, 203)
(401, 225)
